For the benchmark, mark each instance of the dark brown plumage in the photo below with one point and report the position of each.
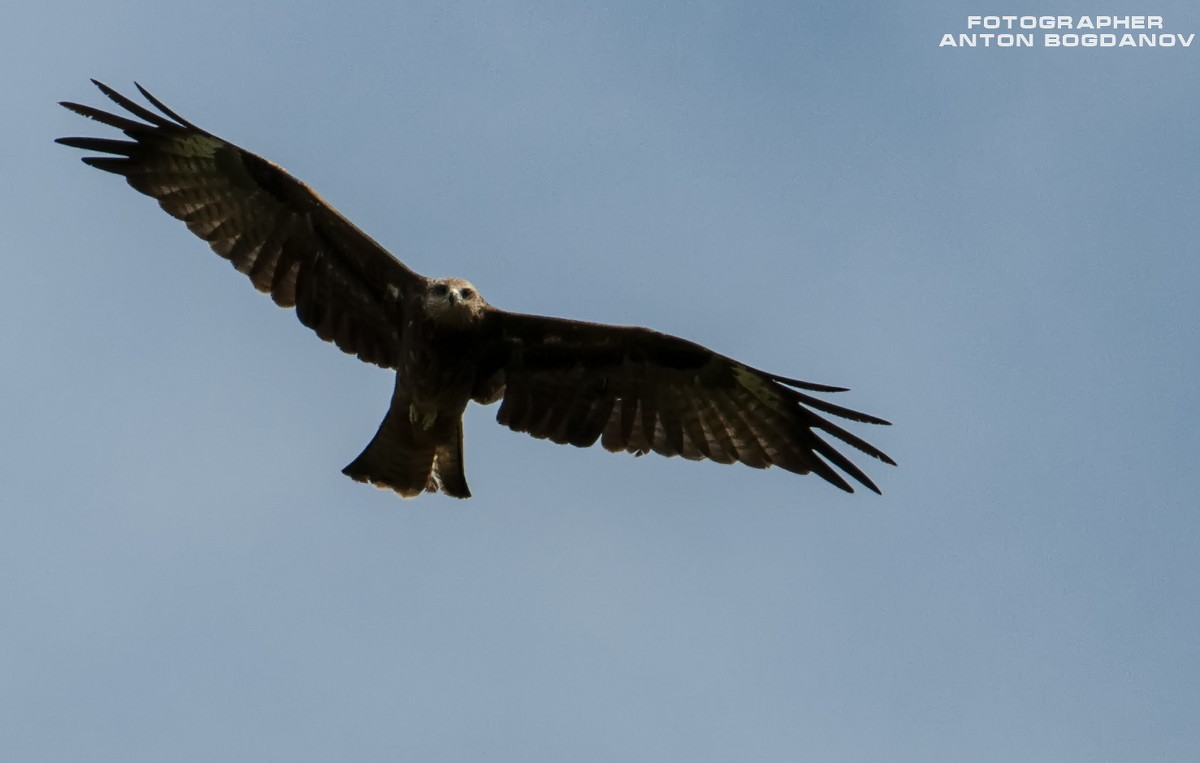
(571, 382)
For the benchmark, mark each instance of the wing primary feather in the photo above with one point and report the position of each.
(128, 126)
(133, 107)
(850, 439)
(841, 462)
(827, 473)
(103, 145)
(837, 410)
(725, 428)
(113, 164)
(163, 108)
(811, 386)
(749, 450)
(785, 446)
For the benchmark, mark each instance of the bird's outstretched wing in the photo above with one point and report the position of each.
(272, 227)
(639, 391)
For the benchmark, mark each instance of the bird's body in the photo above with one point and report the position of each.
(572, 382)
(435, 380)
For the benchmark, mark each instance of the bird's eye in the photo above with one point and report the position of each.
(441, 290)
(467, 293)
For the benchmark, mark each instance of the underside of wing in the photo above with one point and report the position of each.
(271, 226)
(641, 391)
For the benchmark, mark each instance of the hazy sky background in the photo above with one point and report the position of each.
(997, 249)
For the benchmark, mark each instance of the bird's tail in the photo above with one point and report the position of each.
(410, 459)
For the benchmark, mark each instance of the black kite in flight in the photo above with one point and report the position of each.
(633, 389)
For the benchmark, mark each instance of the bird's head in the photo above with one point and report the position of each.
(453, 302)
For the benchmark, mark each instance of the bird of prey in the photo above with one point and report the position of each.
(633, 389)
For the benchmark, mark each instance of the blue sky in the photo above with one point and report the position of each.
(996, 249)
